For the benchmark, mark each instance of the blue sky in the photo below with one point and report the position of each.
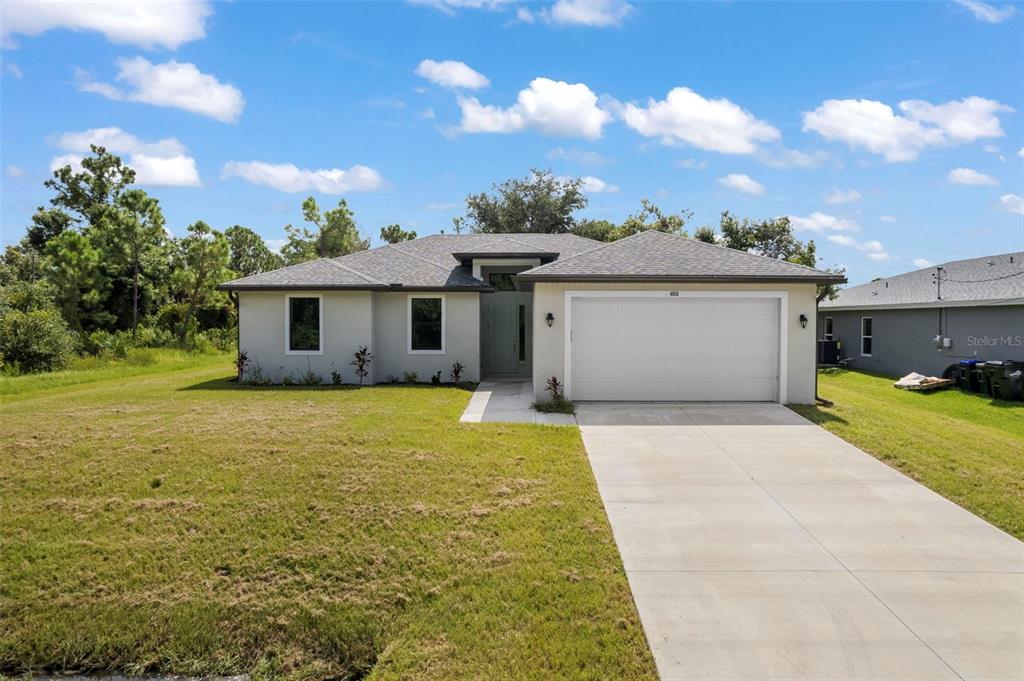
(891, 132)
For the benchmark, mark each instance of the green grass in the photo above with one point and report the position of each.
(91, 369)
(174, 522)
(966, 447)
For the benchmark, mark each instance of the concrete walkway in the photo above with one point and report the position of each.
(509, 402)
(759, 546)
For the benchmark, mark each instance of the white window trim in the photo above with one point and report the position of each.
(862, 336)
(784, 321)
(408, 324)
(826, 334)
(288, 323)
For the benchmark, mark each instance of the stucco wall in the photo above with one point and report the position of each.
(347, 325)
(391, 337)
(902, 339)
(549, 343)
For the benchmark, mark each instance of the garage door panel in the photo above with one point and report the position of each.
(669, 349)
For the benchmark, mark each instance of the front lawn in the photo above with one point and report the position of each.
(174, 522)
(968, 448)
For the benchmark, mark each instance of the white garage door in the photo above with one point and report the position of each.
(674, 348)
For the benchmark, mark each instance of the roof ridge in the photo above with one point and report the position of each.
(418, 256)
(359, 274)
(600, 245)
(735, 250)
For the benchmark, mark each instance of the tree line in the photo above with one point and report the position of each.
(97, 272)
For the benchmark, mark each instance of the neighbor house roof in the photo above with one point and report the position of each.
(429, 263)
(656, 256)
(992, 280)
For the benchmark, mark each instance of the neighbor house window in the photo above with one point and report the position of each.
(426, 324)
(865, 336)
(828, 328)
(304, 327)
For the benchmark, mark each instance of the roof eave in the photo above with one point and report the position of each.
(682, 279)
(352, 287)
(923, 305)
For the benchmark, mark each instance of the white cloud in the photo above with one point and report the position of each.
(1021, 152)
(887, 218)
(550, 106)
(173, 84)
(440, 206)
(691, 164)
(14, 171)
(428, 113)
(712, 124)
(986, 12)
(593, 185)
(990, 149)
(742, 183)
(450, 7)
(1012, 203)
(275, 244)
(790, 158)
(287, 177)
(524, 15)
(962, 120)
(873, 249)
(146, 24)
(597, 13)
(823, 222)
(13, 69)
(160, 163)
(839, 196)
(970, 176)
(452, 74)
(921, 263)
(876, 127)
(574, 155)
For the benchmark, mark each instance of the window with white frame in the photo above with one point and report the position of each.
(426, 324)
(304, 325)
(828, 329)
(865, 336)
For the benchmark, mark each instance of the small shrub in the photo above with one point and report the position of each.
(241, 362)
(559, 406)
(141, 357)
(361, 360)
(456, 372)
(392, 378)
(436, 378)
(288, 380)
(255, 376)
(336, 378)
(155, 482)
(410, 377)
(34, 341)
(556, 389)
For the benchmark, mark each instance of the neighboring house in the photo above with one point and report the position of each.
(927, 320)
(649, 317)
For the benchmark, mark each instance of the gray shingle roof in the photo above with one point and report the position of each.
(989, 280)
(426, 263)
(653, 256)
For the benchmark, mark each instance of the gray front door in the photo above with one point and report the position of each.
(506, 333)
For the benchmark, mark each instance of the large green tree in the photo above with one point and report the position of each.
(249, 254)
(394, 234)
(773, 238)
(336, 234)
(74, 268)
(90, 192)
(47, 223)
(131, 233)
(539, 202)
(200, 264)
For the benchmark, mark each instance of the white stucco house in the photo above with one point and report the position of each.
(653, 317)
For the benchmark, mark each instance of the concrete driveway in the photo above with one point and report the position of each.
(759, 546)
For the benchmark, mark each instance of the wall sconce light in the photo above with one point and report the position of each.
(550, 319)
(803, 321)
